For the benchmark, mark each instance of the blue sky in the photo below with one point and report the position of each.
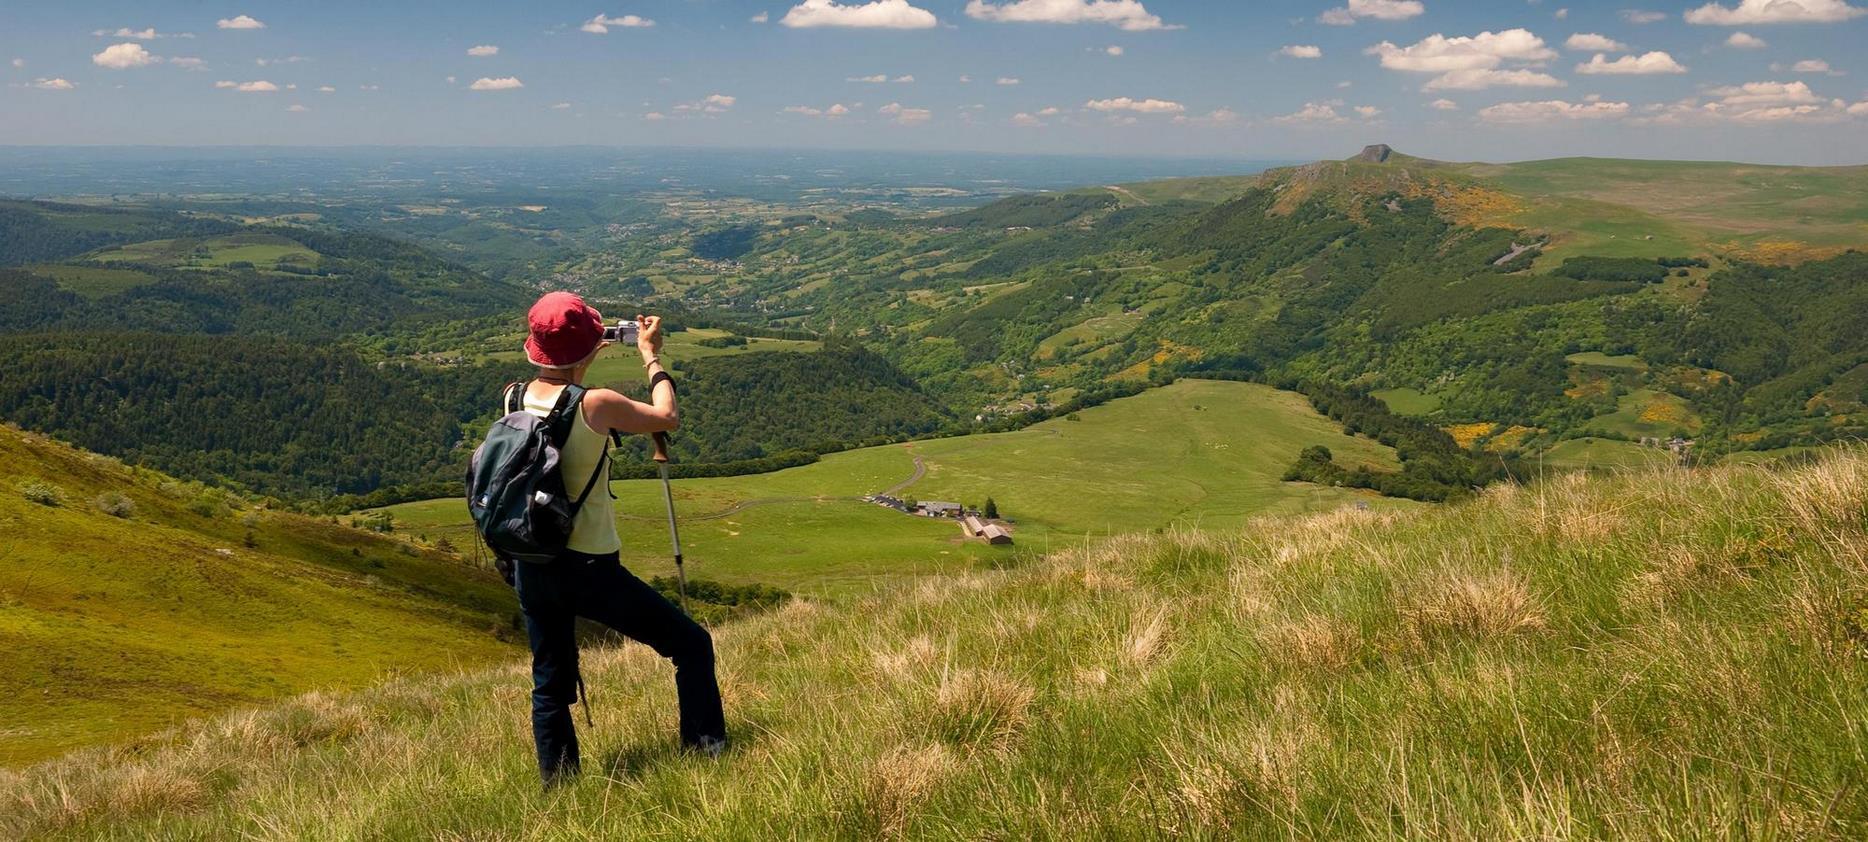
(1763, 80)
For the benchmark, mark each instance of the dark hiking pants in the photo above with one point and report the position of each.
(553, 595)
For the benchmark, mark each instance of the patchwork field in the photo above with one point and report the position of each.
(1613, 207)
(1200, 453)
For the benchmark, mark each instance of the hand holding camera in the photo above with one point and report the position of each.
(645, 333)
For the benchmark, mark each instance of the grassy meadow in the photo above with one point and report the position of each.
(130, 602)
(1197, 453)
(1654, 655)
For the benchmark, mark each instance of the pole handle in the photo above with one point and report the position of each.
(661, 447)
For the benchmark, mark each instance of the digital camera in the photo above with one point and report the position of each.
(622, 333)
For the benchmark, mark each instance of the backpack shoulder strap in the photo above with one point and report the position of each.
(513, 398)
(564, 413)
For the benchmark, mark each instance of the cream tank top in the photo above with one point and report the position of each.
(594, 529)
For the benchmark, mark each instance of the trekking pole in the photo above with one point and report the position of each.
(674, 534)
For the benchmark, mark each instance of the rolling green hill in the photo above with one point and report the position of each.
(1197, 453)
(1663, 654)
(130, 601)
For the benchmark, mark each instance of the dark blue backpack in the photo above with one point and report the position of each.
(515, 488)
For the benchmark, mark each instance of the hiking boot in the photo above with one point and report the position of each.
(709, 747)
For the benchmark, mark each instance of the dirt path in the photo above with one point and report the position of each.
(1130, 194)
(920, 471)
(1513, 254)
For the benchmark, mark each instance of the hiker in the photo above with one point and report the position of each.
(587, 579)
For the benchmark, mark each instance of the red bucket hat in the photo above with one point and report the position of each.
(564, 330)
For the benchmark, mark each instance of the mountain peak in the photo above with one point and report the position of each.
(1376, 154)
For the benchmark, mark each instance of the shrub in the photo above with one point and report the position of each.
(43, 493)
(115, 504)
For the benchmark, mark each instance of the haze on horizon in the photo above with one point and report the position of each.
(1750, 80)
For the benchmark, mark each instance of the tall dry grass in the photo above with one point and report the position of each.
(1662, 655)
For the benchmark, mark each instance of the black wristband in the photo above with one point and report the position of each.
(658, 378)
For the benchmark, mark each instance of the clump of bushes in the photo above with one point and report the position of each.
(43, 493)
(713, 603)
(115, 504)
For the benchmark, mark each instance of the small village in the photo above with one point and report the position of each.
(972, 522)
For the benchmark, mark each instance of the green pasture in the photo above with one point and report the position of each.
(91, 281)
(1645, 412)
(264, 251)
(130, 602)
(1200, 453)
(1597, 359)
(1408, 401)
(1589, 453)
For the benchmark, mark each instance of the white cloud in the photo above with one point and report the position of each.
(124, 56)
(1443, 105)
(1640, 17)
(1765, 93)
(1007, 80)
(601, 24)
(1216, 117)
(1813, 65)
(258, 86)
(1753, 103)
(326, 89)
(1113, 50)
(1301, 51)
(1377, 9)
(295, 108)
(188, 62)
(19, 63)
(1590, 42)
(262, 62)
(1438, 54)
(905, 116)
(1026, 120)
(879, 14)
(710, 104)
(654, 116)
(1642, 65)
(144, 34)
(1129, 15)
(1368, 112)
(1745, 41)
(503, 83)
(53, 84)
(1480, 79)
(1775, 11)
(239, 22)
(1859, 109)
(834, 111)
(1141, 106)
(1561, 14)
(1050, 111)
(369, 87)
(904, 79)
(1313, 112)
(1469, 63)
(876, 79)
(762, 17)
(1552, 110)
(479, 50)
(560, 106)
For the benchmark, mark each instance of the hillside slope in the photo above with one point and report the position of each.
(1651, 656)
(129, 601)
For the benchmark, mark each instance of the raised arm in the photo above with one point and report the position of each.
(610, 410)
